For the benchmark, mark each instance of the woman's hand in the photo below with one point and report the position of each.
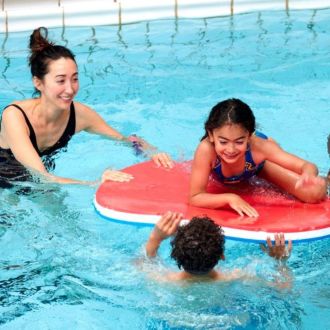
(278, 251)
(241, 206)
(118, 176)
(141, 146)
(162, 159)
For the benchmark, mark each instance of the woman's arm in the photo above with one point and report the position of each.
(202, 166)
(90, 121)
(16, 134)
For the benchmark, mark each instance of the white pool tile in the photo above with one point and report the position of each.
(29, 4)
(134, 11)
(3, 28)
(245, 6)
(206, 8)
(90, 13)
(307, 4)
(24, 20)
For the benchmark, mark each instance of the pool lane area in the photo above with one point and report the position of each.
(18, 15)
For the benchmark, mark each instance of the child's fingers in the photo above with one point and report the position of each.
(175, 223)
(290, 246)
(277, 240)
(269, 242)
(164, 219)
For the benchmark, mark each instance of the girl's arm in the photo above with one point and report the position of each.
(90, 121)
(202, 166)
(16, 135)
(307, 171)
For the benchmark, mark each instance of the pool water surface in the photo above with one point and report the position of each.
(64, 267)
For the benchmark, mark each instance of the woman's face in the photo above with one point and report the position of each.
(60, 85)
(230, 142)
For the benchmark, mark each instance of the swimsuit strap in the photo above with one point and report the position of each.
(33, 138)
(63, 140)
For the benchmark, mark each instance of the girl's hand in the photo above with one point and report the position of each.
(307, 180)
(241, 206)
(162, 159)
(111, 175)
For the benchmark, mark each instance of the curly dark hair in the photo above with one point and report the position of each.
(198, 245)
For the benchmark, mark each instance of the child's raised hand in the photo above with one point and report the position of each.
(167, 225)
(116, 176)
(278, 251)
(241, 206)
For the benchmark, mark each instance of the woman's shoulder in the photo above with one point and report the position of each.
(82, 110)
(20, 105)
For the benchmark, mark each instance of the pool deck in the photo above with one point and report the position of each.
(26, 15)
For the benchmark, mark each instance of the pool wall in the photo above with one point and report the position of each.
(25, 15)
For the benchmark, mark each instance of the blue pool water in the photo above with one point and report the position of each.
(63, 267)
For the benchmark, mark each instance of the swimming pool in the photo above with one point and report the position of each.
(64, 267)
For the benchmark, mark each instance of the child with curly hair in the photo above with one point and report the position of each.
(198, 246)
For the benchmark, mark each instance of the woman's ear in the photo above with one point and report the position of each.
(37, 83)
(222, 257)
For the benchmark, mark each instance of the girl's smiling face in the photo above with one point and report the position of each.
(230, 142)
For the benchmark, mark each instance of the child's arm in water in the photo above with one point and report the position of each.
(203, 163)
(164, 228)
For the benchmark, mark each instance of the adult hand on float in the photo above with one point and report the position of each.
(162, 159)
(278, 251)
(118, 176)
(141, 146)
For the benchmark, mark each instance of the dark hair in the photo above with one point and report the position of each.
(231, 111)
(44, 51)
(198, 245)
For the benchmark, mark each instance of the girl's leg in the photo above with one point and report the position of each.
(287, 180)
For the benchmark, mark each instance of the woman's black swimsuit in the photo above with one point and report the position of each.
(11, 169)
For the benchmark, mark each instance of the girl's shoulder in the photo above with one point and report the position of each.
(206, 147)
(205, 153)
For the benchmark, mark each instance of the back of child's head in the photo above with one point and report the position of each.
(232, 112)
(198, 246)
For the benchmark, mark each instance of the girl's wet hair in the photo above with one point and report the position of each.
(43, 52)
(231, 111)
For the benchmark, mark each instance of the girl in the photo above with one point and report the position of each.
(233, 151)
(33, 130)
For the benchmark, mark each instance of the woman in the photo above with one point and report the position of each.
(33, 130)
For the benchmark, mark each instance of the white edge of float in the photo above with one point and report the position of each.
(230, 233)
